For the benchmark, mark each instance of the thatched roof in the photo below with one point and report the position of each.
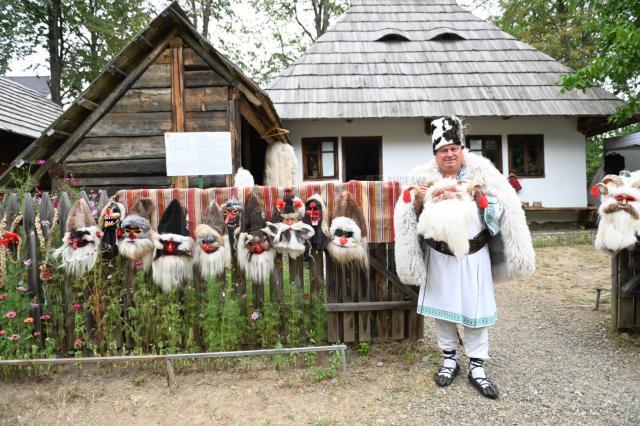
(24, 111)
(452, 63)
(64, 134)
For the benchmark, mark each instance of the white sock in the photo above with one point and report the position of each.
(449, 360)
(476, 365)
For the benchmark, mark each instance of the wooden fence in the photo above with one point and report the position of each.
(360, 305)
(625, 289)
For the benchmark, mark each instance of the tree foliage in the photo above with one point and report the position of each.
(204, 12)
(78, 36)
(616, 60)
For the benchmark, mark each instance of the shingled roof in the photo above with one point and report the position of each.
(24, 111)
(452, 63)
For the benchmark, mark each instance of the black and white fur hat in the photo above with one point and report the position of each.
(447, 131)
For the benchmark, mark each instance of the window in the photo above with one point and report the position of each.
(393, 37)
(320, 159)
(489, 146)
(526, 155)
(447, 37)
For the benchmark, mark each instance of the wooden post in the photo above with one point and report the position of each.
(397, 315)
(235, 126)
(381, 292)
(364, 295)
(333, 318)
(177, 99)
(296, 276)
(276, 284)
(349, 278)
(316, 274)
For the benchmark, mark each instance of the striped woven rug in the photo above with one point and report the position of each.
(377, 200)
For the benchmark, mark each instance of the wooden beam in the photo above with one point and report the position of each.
(116, 72)
(75, 138)
(206, 56)
(257, 122)
(368, 306)
(393, 279)
(57, 133)
(235, 126)
(177, 99)
(87, 104)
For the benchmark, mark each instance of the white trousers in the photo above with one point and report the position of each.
(476, 340)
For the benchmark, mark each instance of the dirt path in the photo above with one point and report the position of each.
(551, 357)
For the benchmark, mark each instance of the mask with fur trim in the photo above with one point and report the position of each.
(172, 263)
(288, 232)
(450, 214)
(134, 240)
(619, 213)
(347, 233)
(81, 242)
(315, 215)
(255, 256)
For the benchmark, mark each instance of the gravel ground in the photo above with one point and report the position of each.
(554, 363)
(552, 358)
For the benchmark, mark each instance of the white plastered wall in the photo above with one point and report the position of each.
(405, 145)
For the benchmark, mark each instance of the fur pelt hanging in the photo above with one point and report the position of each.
(254, 247)
(81, 241)
(316, 216)
(280, 165)
(287, 231)
(135, 237)
(210, 251)
(172, 263)
(348, 233)
(619, 213)
(109, 222)
(512, 254)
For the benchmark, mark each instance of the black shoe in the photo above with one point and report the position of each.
(445, 375)
(487, 388)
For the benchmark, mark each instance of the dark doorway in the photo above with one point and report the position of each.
(362, 158)
(254, 149)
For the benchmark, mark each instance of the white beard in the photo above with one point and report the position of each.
(448, 221)
(299, 233)
(171, 272)
(354, 254)
(211, 264)
(138, 249)
(78, 262)
(616, 231)
(257, 267)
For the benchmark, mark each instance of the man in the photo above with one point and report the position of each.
(451, 233)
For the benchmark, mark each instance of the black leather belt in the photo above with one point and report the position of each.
(475, 244)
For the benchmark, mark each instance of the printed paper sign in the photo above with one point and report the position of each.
(198, 153)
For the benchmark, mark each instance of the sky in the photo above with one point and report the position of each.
(37, 62)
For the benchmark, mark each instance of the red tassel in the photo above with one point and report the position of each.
(99, 234)
(483, 203)
(595, 191)
(280, 204)
(406, 196)
(297, 204)
(119, 233)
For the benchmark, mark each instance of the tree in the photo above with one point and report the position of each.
(79, 37)
(559, 28)
(202, 12)
(616, 60)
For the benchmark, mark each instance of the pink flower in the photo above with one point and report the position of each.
(4, 296)
(74, 182)
(77, 342)
(10, 314)
(14, 337)
(3, 332)
(21, 289)
(37, 333)
(138, 264)
(27, 262)
(76, 306)
(41, 162)
(45, 317)
(35, 305)
(255, 316)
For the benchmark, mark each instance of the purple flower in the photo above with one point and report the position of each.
(21, 289)
(77, 342)
(255, 316)
(4, 296)
(14, 337)
(41, 162)
(10, 314)
(45, 317)
(27, 262)
(76, 306)
(35, 305)
(3, 332)
(74, 182)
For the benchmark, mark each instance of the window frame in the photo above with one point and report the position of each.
(319, 151)
(484, 139)
(526, 139)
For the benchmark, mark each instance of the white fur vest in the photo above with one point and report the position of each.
(512, 254)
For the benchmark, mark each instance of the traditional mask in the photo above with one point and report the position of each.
(288, 232)
(79, 250)
(347, 233)
(315, 215)
(619, 213)
(173, 260)
(450, 214)
(134, 236)
(109, 221)
(255, 256)
(212, 253)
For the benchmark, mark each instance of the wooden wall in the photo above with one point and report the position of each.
(126, 147)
